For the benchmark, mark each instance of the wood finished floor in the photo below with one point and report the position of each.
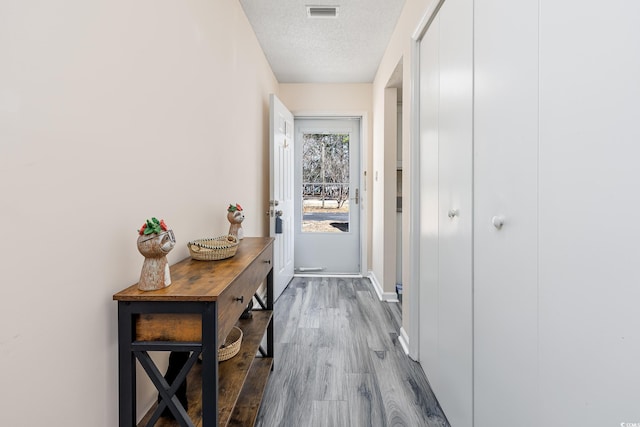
(338, 362)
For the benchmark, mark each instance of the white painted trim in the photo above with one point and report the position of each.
(413, 303)
(364, 155)
(346, 276)
(426, 20)
(404, 341)
(382, 296)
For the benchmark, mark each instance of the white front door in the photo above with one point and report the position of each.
(327, 200)
(281, 193)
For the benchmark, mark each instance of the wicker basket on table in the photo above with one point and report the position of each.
(213, 249)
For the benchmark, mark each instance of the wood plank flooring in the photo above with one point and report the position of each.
(338, 362)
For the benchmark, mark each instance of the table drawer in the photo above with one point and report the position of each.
(229, 306)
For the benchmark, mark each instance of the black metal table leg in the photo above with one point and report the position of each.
(210, 365)
(130, 350)
(270, 307)
(127, 366)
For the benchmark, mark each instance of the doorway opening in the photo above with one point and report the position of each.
(393, 122)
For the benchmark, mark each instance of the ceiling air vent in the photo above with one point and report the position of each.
(322, 11)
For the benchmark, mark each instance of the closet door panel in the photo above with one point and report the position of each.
(505, 185)
(589, 204)
(455, 339)
(429, 104)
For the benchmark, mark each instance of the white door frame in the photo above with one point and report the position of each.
(364, 155)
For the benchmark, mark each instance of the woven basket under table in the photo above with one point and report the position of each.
(213, 249)
(231, 345)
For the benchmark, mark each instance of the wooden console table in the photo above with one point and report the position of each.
(194, 314)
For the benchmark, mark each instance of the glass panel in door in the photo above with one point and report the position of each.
(325, 182)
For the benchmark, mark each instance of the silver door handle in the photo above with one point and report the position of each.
(279, 213)
(452, 213)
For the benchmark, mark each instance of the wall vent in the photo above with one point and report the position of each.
(322, 11)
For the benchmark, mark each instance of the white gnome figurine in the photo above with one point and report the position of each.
(235, 217)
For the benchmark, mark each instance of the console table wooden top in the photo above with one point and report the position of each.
(193, 280)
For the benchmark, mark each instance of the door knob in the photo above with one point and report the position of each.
(278, 213)
(497, 221)
(452, 213)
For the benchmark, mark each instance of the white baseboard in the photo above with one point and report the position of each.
(383, 296)
(404, 341)
(346, 276)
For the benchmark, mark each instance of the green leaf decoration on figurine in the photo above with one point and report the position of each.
(233, 208)
(152, 226)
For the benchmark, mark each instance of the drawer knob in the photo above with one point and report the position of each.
(240, 298)
(267, 261)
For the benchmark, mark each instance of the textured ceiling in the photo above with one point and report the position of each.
(346, 49)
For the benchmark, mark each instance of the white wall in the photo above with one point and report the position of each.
(385, 188)
(399, 48)
(320, 98)
(112, 112)
(337, 99)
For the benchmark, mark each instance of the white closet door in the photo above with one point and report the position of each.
(506, 185)
(589, 204)
(455, 340)
(446, 203)
(429, 205)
